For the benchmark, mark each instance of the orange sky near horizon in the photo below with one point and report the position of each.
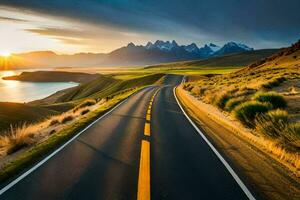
(28, 31)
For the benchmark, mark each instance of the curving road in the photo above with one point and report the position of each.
(120, 157)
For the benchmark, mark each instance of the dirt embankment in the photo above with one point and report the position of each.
(263, 172)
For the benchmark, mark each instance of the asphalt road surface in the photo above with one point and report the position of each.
(120, 157)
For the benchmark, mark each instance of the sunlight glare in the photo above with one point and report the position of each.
(5, 54)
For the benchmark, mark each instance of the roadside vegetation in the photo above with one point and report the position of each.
(26, 144)
(25, 141)
(264, 97)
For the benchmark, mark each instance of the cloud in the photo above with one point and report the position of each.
(12, 19)
(256, 22)
(52, 31)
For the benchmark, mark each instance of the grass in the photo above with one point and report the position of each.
(53, 76)
(39, 150)
(274, 82)
(18, 114)
(265, 98)
(275, 99)
(234, 60)
(105, 86)
(221, 101)
(85, 111)
(67, 119)
(248, 111)
(233, 102)
(275, 124)
(86, 103)
(53, 122)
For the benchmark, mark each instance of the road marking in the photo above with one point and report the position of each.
(148, 117)
(225, 163)
(147, 129)
(22, 176)
(143, 192)
(144, 172)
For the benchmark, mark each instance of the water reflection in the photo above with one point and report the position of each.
(18, 91)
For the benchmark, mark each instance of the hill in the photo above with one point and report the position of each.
(101, 87)
(265, 95)
(18, 113)
(238, 59)
(105, 86)
(53, 76)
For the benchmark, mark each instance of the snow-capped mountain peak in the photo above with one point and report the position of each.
(149, 45)
(240, 45)
(191, 48)
(232, 47)
(161, 45)
(214, 47)
(131, 44)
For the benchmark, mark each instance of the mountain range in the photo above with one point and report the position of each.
(152, 53)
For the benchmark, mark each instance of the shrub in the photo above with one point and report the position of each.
(246, 112)
(54, 122)
(221, 100)
(273, 98)
(84, 111)
(67, 119)
(292, 90)
(189, 88)
(273, 82)
(293, 134)
(18, 138)
(273, 123)
(232, 103)
(84, 104)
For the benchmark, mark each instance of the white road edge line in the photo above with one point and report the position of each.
(14, 182)
(225, 163)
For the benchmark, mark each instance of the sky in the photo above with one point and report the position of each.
(71, 26)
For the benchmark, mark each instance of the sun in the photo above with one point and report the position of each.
(5, 54)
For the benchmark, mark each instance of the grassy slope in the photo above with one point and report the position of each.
(53, 76)
(106, 86)
(279, 73)
(17, 113)
(233, 60)
(37, 152)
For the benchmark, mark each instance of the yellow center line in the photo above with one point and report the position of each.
(144, 172)
(148, 117)
(147, 129)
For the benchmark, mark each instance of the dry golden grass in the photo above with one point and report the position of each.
(25, 135)
(291, 159)
(279, 73)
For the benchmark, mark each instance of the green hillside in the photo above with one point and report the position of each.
(53, 76)
(105, 86)
(18, 113)
(233, 60)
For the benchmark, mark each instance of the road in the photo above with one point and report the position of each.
(120, 157)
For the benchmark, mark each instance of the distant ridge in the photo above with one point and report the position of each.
(129, 55)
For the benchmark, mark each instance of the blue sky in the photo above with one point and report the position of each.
(101, 26)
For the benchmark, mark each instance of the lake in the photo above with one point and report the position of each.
(19, 91)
